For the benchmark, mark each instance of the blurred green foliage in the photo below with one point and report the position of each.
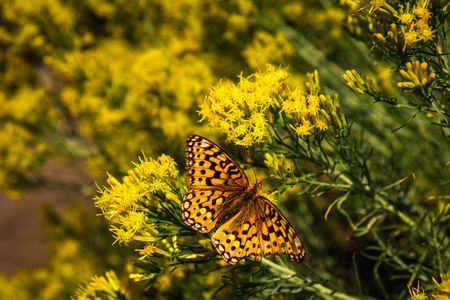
(104, 81)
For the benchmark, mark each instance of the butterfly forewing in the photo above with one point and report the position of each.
(209, 166)
(250, 225)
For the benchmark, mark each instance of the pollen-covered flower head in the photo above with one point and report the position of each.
(246, 111)
(309, 111)
(394, 27)
(127, 203)
(442, 290)
(242, 111)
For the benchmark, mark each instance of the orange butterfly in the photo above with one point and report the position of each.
(221, 194)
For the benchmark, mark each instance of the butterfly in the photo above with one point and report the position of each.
(248, 223)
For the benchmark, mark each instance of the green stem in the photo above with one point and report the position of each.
(318, 288)
(390, 208)
(323, 184)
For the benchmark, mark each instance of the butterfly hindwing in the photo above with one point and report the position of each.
(199, 208)
(277, 234)
(266, 231)
(229, 240)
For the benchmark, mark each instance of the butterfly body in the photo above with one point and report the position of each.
(250, 225)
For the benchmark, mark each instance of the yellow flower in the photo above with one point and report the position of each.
(22, 151)
(100, 287)
(237, 24)
(417, 293)
(394, 39)
(147, 251)
(354, 81)
(240, 111)
(127, 203)
(313, 105)
(296, 104)
(277, 165)
(151, 249)
(416, 77)
(420, 9)
(442, 290)
(403, 30)
(267, 47)
(405, 16)
(309, 112)
(244, 112)
(321, 124)
(333, 109)
(121, 235)
(304, 129)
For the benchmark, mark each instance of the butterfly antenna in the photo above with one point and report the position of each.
(250, 158)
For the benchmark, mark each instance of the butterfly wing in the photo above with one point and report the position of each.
(261, 230)
(236, 239)
(209, 167)
(214, 178)
(200, 208)
(277, 235)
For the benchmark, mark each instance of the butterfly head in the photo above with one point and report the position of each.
(258, 184)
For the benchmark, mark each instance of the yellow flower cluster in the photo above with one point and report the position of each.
(21, 152)
(417, 293)
(310, 111)
(100, 286)
(440, 292)
(145, 208)
(416, 77)
(267, 48)
(128, 204)
(45, 27)
(128, 103)
(277, 165)
(399, 28)
(415, 23)
(359, 85)
(242, 111)
(363, 15)
(24, 113)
